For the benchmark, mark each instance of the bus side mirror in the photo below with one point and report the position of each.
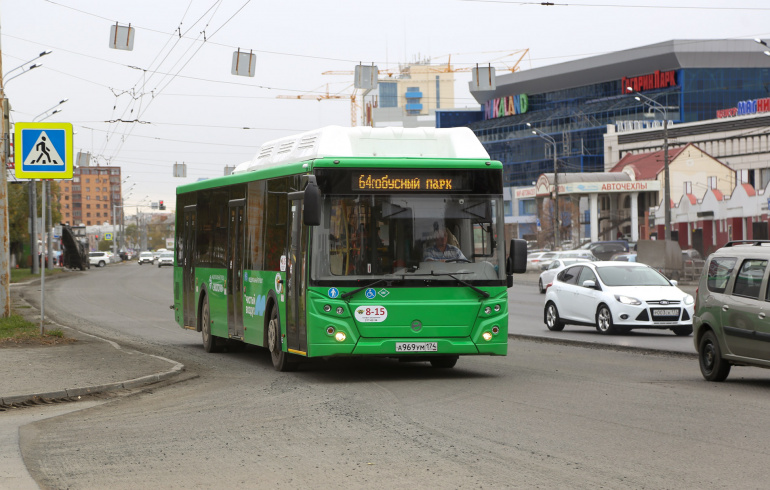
(311, 214)
(517, 259)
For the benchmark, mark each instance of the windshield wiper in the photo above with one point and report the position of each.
(351, 293)
(482, 293)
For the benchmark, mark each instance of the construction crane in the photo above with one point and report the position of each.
(447, 68)
(353, 97)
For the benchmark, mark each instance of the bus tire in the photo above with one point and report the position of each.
(209, 341)
(281, 360)
(444, 362)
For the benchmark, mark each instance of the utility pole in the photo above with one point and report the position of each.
(5, 248)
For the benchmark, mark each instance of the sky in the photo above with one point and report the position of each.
(173, 99)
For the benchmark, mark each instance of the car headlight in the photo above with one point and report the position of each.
(627, 300)
(688, 300)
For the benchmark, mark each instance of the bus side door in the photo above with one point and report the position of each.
(235, 268)
(188, 267)
(296, 324)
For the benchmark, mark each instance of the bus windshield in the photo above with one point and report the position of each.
(409, 237)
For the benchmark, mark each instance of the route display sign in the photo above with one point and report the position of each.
(43, 150)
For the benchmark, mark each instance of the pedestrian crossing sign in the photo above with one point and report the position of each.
(43, 150)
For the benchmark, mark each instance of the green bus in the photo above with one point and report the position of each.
(350, 242)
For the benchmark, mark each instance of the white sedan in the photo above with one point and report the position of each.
(548, 275)
(616, 297)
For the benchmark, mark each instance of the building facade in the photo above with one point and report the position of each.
(92, 197)
(570, 105)
(411, 97)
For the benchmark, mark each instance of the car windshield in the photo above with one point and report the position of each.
(631, 276)
(146, 254)
(167, 255)
(409, 237)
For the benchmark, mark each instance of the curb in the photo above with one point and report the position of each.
(75, 394)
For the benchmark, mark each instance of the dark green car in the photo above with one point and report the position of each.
(731, 323)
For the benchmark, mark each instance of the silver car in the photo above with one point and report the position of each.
(166, 258)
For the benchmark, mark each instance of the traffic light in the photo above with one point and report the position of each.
(161, 206)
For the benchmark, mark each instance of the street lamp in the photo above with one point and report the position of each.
(556, 221)
(44, 53)
(657, 106)
(50, 108)
(763, 43)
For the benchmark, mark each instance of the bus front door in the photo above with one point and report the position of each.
(235, 269)
(296, 326)
(188, 267)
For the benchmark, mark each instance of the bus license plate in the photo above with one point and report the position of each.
(658, 312)
(416, 347)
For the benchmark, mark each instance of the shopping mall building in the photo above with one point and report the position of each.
(585, 115)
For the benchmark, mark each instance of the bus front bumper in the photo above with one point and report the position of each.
(406, 347)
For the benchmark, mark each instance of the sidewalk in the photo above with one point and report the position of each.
(89, 365)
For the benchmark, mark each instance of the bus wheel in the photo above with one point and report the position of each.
(447, 362)
(209, 341)
(281, 360)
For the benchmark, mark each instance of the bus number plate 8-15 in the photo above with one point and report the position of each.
(416, 347)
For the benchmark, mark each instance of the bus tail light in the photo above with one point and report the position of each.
(495, 330)
(330, 330)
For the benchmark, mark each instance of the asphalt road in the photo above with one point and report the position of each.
(548, 415)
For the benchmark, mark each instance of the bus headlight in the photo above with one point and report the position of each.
(340, 310)
(487, 336)
(340, 336)
(488, 310)
(497, 308)
(327, 308)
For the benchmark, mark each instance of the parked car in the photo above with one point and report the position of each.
(166, 258)
(534, 261)
(99, 259)
(146, 258)
(730, 322)
(617, 297)
(569, 254)
(605, 250)
(547, 276)
(624, 257)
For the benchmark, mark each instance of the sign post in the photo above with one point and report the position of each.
(43, 151)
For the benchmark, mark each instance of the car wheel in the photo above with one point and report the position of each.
(158, 266)
(446, 362)
(210, 343)
(682, 331)
(604, 321)
(281, 360)
(552, 320)
(540, 286)
(712, 366)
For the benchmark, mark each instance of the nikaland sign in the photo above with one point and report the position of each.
(506, 106)
(43, 150)
(651, 81)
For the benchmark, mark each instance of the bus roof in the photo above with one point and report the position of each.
(336, 141)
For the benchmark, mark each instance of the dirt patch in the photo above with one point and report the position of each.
(46, 341)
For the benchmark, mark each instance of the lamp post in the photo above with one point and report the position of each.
(44, 53)
(45, 112)
(657, 106)
(556, 221)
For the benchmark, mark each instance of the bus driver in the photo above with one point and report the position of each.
(442, 251)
